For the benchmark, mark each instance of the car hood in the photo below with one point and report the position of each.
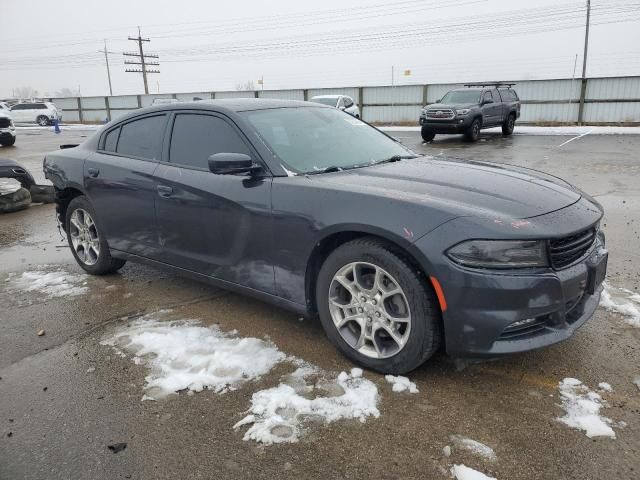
(436, 106)
(462, 187)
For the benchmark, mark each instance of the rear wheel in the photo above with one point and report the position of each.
(42, 121)
(473, 132)
(8, 143)
(376, 307)
(509, 124)
(427, 136)
(89, 247)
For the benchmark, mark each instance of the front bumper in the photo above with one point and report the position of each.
(483, 305)
(454, 125)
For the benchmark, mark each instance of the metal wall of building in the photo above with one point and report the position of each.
(614, 100)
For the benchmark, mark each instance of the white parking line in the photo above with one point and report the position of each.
(574, 138)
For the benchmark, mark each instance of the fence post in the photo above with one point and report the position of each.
(305, 95)
(80, 120)
(139, 101)
(106, 101)
(424, 94)
(361, 101)
(213, 95)
(583, 94)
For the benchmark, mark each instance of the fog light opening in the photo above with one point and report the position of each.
(522, 323)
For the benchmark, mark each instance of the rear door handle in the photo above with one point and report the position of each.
(164, 191)
(93, 172)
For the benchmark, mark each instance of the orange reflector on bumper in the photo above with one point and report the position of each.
(439, 293)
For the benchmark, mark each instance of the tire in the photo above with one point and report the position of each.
(42, 121)
(509, 124)
(427, 136)
(14, 201)
(42, 194)
(473, 132)
(8, 143)
(98, 262)
(421, 335)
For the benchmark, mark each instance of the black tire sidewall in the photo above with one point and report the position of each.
(105, 262)
(509, 125)
(471, 134)
(423, 321)
(427, 135)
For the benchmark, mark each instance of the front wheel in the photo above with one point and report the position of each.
(8, 143)
(427, 136)
(42, 121)
(509, 124)
(89, 247)
(473, 132)
(376, 307)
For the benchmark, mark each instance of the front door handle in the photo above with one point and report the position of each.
(93, 172)
(164, 191)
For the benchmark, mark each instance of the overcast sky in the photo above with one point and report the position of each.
(209, 45)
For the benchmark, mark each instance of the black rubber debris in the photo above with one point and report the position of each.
(117, 447)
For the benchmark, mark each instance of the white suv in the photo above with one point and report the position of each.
(42, 113)
(341, 102)
(7, 129)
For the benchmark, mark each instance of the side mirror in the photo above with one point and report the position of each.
(438, 101)
(231, 163)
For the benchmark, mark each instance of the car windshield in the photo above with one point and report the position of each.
(313, 139)
(331, 101)
(462, 96)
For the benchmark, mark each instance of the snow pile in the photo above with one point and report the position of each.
(623, 301)
(474, 447)
(583, 409)
(277, 414)
(401, 384)
(462, 472)
(184, 355)
(52, 284)
(604, 386)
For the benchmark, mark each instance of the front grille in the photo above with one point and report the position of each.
(566, 250)
(4, 122)
(441, 114)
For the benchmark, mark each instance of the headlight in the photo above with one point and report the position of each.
(500, 253)
(463, 111)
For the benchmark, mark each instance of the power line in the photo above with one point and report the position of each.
(143, 60)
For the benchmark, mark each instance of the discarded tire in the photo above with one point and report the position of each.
(42, 194)
(14, 201)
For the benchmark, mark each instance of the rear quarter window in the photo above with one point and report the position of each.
(142, 138)
(111, 140)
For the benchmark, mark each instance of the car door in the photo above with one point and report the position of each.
(118, 179)
(490, 110)
(216, 225)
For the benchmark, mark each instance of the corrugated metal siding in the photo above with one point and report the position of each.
(392, 114)
(188, 97)
(70, 115)
(123, 101)
(612, 112)
(66, 103)
(282, 94)
(549, 112)
(119, 113)
(613, 88)
(548, 90)
(93, 116)
(351, 92)
(93, 102)
(147, 100)
(395, 95)
(235, 94)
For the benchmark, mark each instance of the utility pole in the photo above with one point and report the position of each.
(583, 88)
(106, 59)
(143, 62)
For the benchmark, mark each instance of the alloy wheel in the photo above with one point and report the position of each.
(84, 236)
(370, 310)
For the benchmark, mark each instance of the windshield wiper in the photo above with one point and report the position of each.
(329, 169)
(395, 158)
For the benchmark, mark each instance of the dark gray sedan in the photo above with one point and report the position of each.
(316, 211)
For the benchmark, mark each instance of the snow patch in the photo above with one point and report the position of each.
(605, 387)
(58, 283)
(462, 472)
(583, 409)
(401, 384)
(623, 301)
(474, 447)
(184, 355)
(636, 381)
(278, 414)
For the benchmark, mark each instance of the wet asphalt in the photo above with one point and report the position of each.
(58, 415)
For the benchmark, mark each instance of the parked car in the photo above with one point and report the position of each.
(341, 102)
(4, 107)
(469, 110)
(42, 113)
(295, 204)
(7, 129)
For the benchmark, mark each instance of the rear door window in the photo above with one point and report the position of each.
(111, 140)
(142, 138)
(195, 137)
